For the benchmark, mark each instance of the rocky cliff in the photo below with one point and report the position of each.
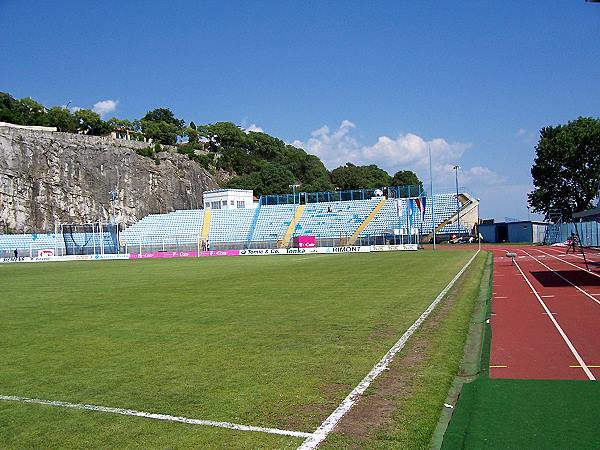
(49, 177)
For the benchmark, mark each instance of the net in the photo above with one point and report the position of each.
(90, 238)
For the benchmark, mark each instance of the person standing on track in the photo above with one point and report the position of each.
(16, 252)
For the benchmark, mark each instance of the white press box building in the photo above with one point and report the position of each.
(229, 199)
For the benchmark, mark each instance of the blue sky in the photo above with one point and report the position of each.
(367, 82)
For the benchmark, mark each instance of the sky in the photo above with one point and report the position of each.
(362, 82)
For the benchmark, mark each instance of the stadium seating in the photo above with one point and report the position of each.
(333, 219)
(272, 222)
(230, 225)
(181, 226)
(389, 217)
(182, 229)
(29, 244)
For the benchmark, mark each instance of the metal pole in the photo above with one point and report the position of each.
(457, 200)
(101, 238)
(55, 239)
(431, 189)
(478, 233)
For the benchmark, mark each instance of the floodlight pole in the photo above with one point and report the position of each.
(478, 233)
(456, 167)
(431, 189)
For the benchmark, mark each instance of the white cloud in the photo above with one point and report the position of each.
(481, 175)
(105, 107)
(405, 152)
(253, 127)
(526, 136)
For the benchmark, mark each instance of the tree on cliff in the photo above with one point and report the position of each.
(62, 119)
(7, 108)
(566, 170)
(268, 179)
(25, 111)
(257, 157)
(406, 177)
(162, 126)
(358, 177)
(90, 122)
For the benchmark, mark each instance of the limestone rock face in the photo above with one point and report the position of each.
(49, 177)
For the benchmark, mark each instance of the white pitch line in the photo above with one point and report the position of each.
(571, 264)
(305, 257)
(559, 275)
(330, 422)
(585, 368)
(133, 412)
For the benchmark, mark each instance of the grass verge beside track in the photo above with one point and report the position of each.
(402, 408)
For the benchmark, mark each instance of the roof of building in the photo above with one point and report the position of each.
(535, 222)
(215, 191)
(590, 214)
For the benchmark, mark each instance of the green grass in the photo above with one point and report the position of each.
(266, 341)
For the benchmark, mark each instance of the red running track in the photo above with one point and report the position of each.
(526, 341)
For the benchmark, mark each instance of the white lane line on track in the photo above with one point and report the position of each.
(588, 252)
(572, 255)
(563, 278)
(587, 371)
(571, 264)
(133, 412)
(330, 422)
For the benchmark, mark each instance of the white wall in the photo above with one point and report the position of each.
(228, 199)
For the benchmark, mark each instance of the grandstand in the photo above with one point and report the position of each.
(341, 222)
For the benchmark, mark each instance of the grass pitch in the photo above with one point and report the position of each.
(265, 341)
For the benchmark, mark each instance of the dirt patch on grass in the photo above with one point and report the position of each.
(332, 395)
(376, 408)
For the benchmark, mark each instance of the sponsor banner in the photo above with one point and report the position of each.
(145, 255)
(263, 251)
(65, 258)
(184, 254)
(301, 251)
(109, 256)
(45, 252)
(345, 249)
(220, 253)
(13, 259)
(305, 242)
(393, 248)
(28, 259)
